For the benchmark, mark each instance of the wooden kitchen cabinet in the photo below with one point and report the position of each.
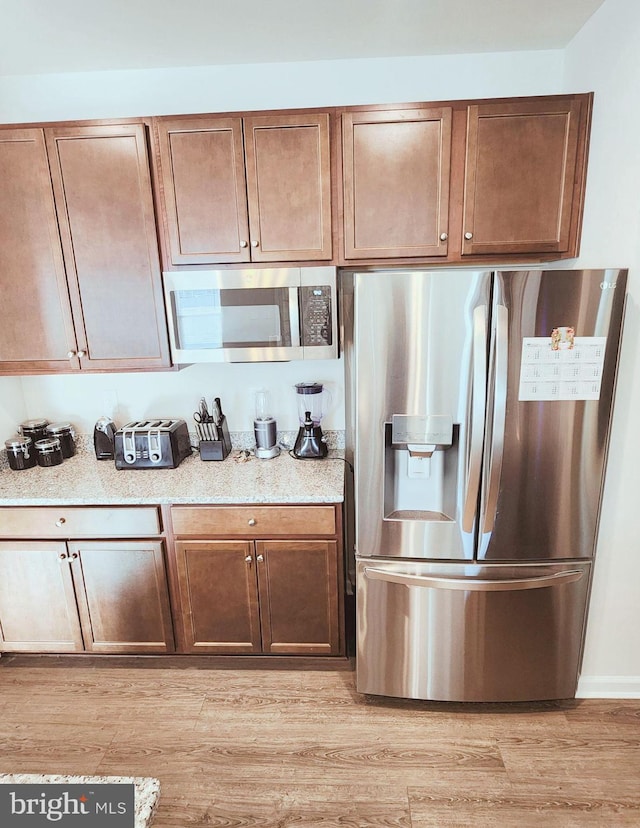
(36, 325)
(498, 178)
(79, 253)
(279, 596)
(38, 610)
(97, 596)
(254, 189)
(396, 169)
(524, 176)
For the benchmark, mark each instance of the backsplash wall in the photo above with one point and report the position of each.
(81, 399)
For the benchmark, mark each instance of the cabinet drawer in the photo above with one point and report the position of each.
(78, 522)
(253, 521)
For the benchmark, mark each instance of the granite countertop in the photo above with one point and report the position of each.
(83, 480)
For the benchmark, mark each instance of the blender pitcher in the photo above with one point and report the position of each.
(312, 399)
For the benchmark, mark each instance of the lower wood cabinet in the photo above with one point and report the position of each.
(274, 595)
(84, 596)
(278, 597)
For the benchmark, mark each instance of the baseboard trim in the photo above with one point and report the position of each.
(608, 687)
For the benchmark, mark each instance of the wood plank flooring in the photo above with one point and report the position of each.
(284, 748)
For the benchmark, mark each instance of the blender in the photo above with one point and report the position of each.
(265, 429)
(310, 444)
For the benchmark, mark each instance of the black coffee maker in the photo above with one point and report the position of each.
(310, 444)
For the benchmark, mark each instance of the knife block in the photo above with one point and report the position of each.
(216, 449)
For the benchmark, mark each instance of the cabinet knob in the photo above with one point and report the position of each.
(468, 236)
(73, 556)
(252, 521)
(255, 243)
(61, 522)
(260, 558)
(444, 236)
(243, 242)
(71, 354)
(248, 559)
(62, 556)
(81, 354)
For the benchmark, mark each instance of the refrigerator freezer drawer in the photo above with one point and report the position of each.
(468, 632)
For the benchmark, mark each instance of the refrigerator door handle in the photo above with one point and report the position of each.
(478, 405)
(501, 368)
(474, 584)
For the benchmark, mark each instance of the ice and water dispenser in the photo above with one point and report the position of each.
(421, 462)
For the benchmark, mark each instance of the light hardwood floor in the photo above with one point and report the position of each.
(287, 748)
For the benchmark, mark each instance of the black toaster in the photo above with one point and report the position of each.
(152, 444)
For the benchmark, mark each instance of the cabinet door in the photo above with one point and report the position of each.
(521, 172)
(36, 327)
(37, 602)
(396, 182)
(298, 583)
(123, 597)
(205, 196)
(219, 596)
(289, 187)
(102, 186)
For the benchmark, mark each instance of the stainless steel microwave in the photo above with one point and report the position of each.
(248, 315)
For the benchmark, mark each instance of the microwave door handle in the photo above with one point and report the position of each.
(294, 316)
(501, 369)
(478, 405)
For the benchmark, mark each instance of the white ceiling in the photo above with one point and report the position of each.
(43, 36)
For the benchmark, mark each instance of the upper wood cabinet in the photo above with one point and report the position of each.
(499, 178)
(254, 189)
(396, 166)
(36, 326)
(523, 176)
(81, 280)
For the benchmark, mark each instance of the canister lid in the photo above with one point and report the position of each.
(17, 441)
(31, 424)
(48, 444)
(57, 428)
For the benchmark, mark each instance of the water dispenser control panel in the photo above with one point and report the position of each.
(422, 429)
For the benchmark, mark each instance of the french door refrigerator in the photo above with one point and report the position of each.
(478, 413)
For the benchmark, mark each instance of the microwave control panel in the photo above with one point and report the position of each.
(316, 314)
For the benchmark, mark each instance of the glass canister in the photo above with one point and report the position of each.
(20, 452)
(65, 433)
(36, 429)
(49, 451)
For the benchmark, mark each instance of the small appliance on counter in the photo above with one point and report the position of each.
(104, 439)
(265, 429)
(152, 444)
(310, 444)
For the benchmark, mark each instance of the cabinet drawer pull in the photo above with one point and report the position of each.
(243, 243)
(71, 354)
(248, 559)
(61, 522)
(255, 243)
(468, 236)
(73, 556)
(444, 236)
(260, 558)
(81, 354)
(62, 556)
(252, 521)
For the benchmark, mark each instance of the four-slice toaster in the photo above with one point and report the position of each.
(152, 444)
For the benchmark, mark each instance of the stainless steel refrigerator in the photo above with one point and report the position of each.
(478, 414)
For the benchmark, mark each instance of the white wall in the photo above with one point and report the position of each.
(602, 58)
(605, 58)
(13, 409)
